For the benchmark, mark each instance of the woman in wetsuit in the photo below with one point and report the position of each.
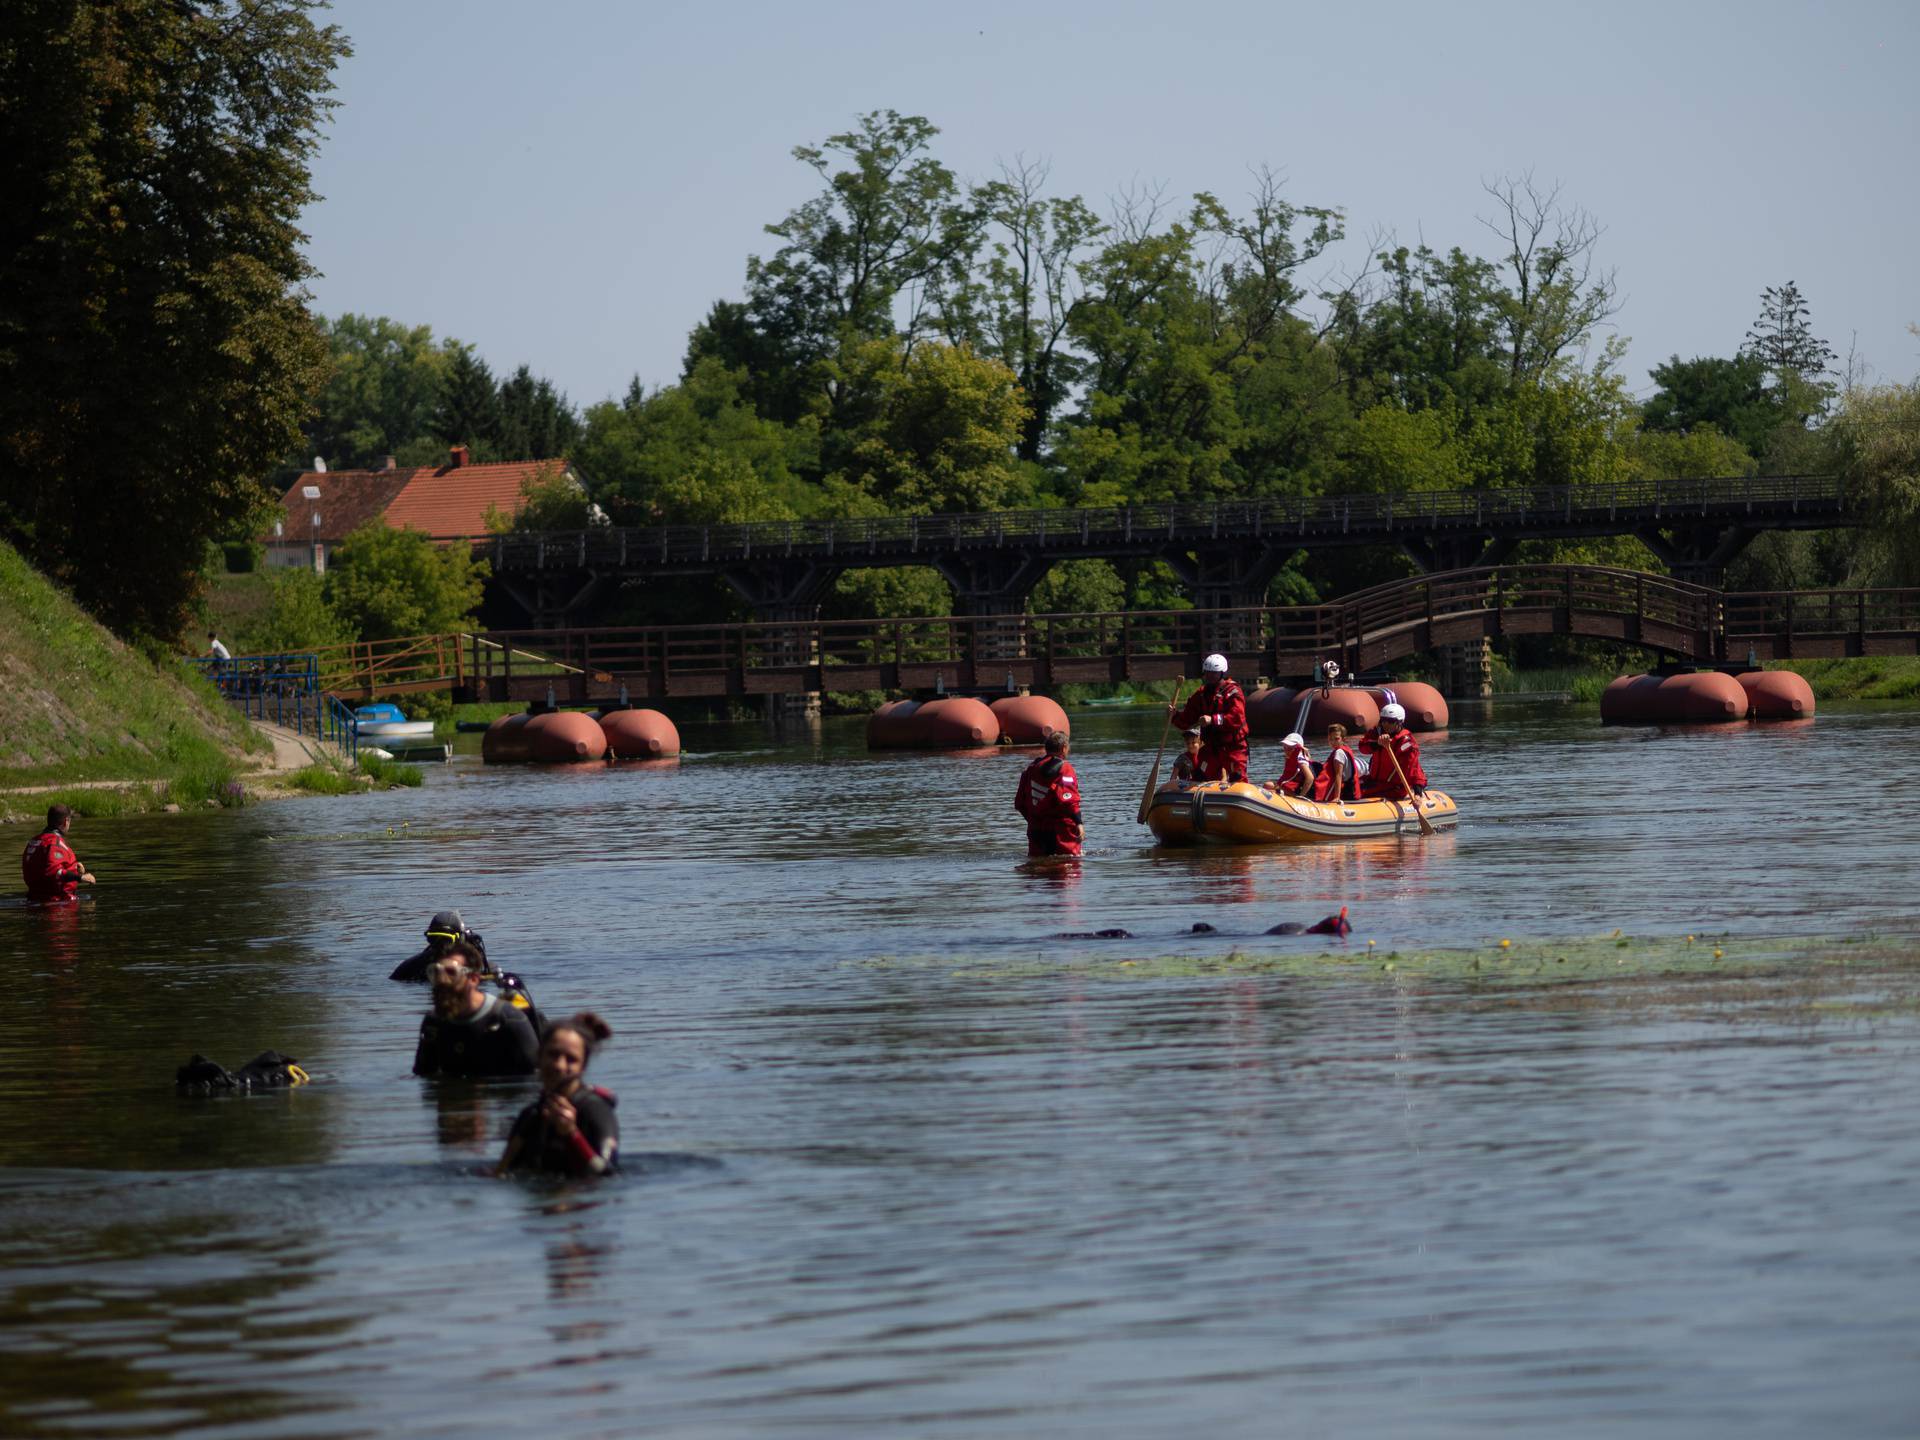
(571, 1129)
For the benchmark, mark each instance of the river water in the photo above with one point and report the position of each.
(900, 1163)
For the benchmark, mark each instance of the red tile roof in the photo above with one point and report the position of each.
(454, 501)
(446, 503)
(348, 499)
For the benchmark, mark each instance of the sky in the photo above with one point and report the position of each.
(572, 184)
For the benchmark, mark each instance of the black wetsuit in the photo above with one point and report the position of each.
(414, 968)
(545, 1151)
(497, 1040)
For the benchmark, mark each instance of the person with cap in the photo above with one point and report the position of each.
(1219, 708)
(1049, 799)
(1296, 777)
(1384, 782)
(48, 865)
(470, 1034)
(442, 931)
(1186, 765)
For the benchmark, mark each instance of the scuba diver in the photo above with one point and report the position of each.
(571, 1129)
(445, 928)
(470, 1033)
(443, 931)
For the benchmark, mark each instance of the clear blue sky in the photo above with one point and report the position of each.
(571, 184)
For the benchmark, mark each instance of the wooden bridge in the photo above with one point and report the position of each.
(1673, 618)
(1226, 551)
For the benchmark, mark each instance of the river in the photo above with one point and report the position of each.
(901, 1163)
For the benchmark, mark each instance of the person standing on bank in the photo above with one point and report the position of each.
(1220, 710)
(1049, 799)
(469, 1033)
(571, 1129)
(49, 866)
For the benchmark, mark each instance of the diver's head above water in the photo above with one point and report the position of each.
(455, 977)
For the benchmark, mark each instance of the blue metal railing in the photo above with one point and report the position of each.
(286, 690)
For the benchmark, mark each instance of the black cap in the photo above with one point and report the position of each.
(447, 922)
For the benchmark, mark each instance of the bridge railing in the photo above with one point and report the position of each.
(621, 546)
(1823, 612)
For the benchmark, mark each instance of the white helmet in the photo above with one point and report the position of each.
(1214, 665)
(1293, 742)
(1393, 712)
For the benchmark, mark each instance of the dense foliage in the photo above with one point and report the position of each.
(156, 358)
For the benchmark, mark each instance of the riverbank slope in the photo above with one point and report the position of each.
(108, 728)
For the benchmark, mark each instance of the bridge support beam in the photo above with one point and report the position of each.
(1700, 553)
(550, 600)
(1229, 578)
(994, 583)
(1432, 553)
(783, 591)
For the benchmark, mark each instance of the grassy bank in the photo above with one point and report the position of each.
(78, 707)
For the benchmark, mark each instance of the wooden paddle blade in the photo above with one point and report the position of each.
(1153, 776)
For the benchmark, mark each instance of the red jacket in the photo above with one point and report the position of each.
(1381, 781)
(1331, 771)
(1297, 776)
(1049, 796)
(1221, 714)
(50, 868)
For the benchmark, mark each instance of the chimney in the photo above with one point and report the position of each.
(389, 462)
(456, 456)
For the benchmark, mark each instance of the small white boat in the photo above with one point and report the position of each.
(389, 725)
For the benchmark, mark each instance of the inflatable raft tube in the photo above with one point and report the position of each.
(1219, 813)
(565, 737)
(1703, 697)
(1777, 694)
(506, 741)
(1029, 719)
(1426, 707)
(640, 734)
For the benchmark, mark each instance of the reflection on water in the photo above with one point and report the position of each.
(909, 1199)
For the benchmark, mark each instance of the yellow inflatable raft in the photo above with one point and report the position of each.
(1217, 813)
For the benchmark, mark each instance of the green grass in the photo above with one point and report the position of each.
(390, 772)
(1867, 677)
(78, 704)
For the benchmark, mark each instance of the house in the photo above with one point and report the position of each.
(447, 503)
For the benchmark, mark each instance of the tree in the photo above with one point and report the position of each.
(693, 453)
(1555, 298)
(384, 383)
(936, 427)
(1017, 308)
(549, 500)
(386, 583)
(156, 354)
(469, 409)
(536, 422)
(1875, 436)
(297, 617)
(1782, 337)
(1728, 395)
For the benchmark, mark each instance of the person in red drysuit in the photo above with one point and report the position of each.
(1383, 783)
(1049, 798)
(49, 866)
(1339, 775)
(1296, 777)
(1220, 710)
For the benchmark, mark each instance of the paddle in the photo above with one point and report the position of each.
(1426, 825)
(1153, 777)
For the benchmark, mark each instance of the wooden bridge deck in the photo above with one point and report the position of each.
(1389, 622)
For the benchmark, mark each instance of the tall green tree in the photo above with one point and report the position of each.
(694, 453)
(1730, 395)
(384, 383)
(156, 353)
(469, 409)
(536, 421)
